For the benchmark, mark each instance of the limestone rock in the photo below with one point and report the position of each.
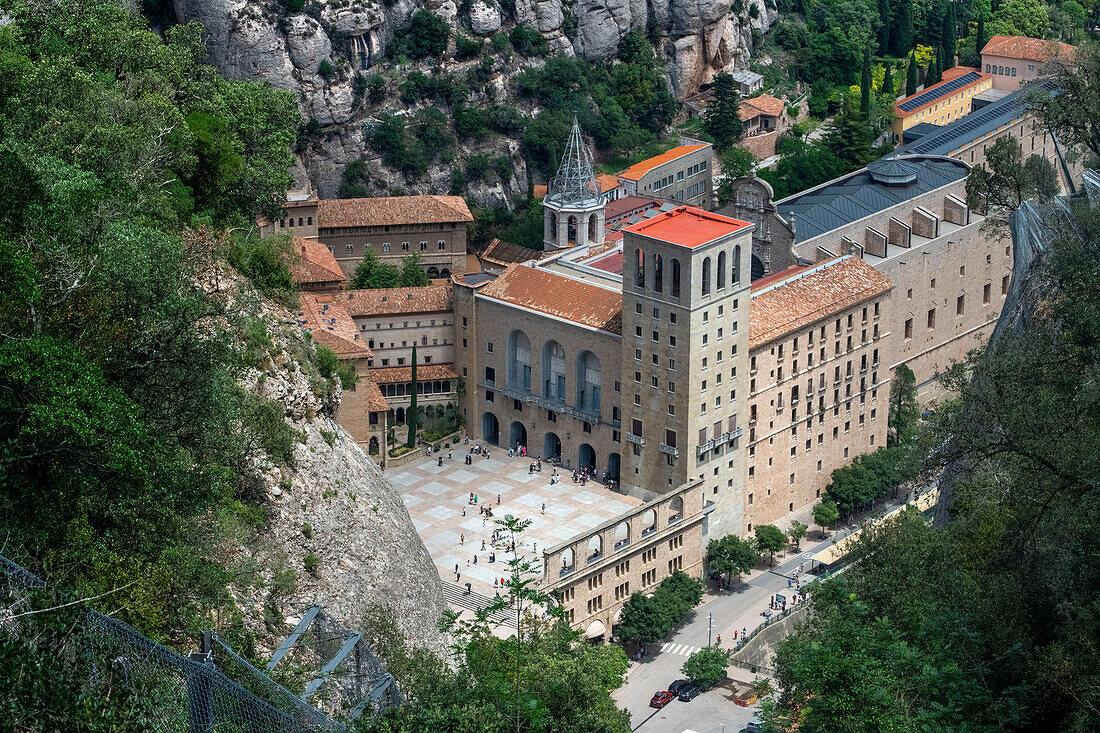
(600, 26)
(484, 18)
(307, 42)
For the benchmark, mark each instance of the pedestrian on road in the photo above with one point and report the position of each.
(483, 544)
(544, 507)
(462, 539)
(456, 568)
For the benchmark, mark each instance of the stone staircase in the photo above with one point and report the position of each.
(456, 595)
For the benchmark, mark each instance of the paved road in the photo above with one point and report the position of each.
(738, 608)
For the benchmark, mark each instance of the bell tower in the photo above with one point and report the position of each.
(573, 206)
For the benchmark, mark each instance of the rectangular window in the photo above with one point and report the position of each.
(985, 294)
(636, 427)
(960, 305)
(931, 317)
(670, 438)
(1004, 285)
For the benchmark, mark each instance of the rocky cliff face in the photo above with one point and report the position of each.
(332, 503)
(317, 53)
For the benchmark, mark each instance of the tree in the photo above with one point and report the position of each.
(911, 75)
(904, 409)
(425, 35)
(1020, 18)
(412, 271)
(412, 416)
(798, 531)
(737, 162)
(901, 31)
(644, 620)
(707, 667)
(1007, 180)
(720, 120)
(980, 37)
(730, 555)
(825, 514)
(884, 15)
(888, 81)
(852, 486)
(372, 273)
(865, 87)
(1074, 112)
(770, 539)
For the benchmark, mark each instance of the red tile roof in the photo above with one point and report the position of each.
(687, 226)
(765, 104)
(807, 296)
(504, 253)
(376, 402)
(390, 301)
(607, 182)
(395, 375)
(328, 322)
(560, 296)
(636, 171)
(315, 264)
(1031, 49)
(948, 76)
(626, 205)
(371, 212)
(539, 191)
(611, 263)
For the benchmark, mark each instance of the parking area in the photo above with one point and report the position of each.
(454, 530)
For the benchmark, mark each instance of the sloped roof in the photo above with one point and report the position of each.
(1021, 47)
(388, 301)
(329, 323)
(636, 171)
(804, 297)
(376, 402)
(618, 207)
(607, 182)
(954, 81)
(767, 104)
(854, 196)
(315, 263)
(393, 375)
(392, 210)
(560, 296)
(504, 253)
(971, 127)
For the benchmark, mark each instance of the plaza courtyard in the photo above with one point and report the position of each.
(437, 495)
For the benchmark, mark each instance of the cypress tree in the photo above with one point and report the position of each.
(865, 86)
(911, 75)
(411, 416)
(888, 81)
(902, 27)
(980, 40)
(884, 28)
(947, 33)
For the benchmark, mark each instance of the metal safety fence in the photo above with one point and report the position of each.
(211, 691)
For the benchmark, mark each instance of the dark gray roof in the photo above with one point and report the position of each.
(848, 199)
(969, 128)
(919, 130)
(946, 89)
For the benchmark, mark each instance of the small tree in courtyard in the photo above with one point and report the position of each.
(644, 620)
(770, 539)
(707, 666)
(825, 514)
(798, 531)
(730, 555)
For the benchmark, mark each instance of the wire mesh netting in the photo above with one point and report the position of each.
(195, 694)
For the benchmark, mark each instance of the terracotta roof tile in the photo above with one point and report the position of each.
(394, 375)
(807, 296)
(1021, 47)
(539, 191)
(503, 253)
(392, 210)
(328, 322)
(376, 402)
(767, 104)
(636, 171)
(315, 264)
(687, 226)
(560, 296)
(607, 182)
(388, 301)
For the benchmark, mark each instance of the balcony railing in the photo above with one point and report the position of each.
(636, 439)
(670, 450)
(548, 404)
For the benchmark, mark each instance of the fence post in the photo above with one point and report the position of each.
(200, 718)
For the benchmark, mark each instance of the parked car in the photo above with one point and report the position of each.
(689, 692)
(754, 726)
(660, 699)
(674, 688)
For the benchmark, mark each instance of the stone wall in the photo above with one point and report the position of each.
(761, 146)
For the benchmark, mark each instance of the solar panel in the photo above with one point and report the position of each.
(929, 96)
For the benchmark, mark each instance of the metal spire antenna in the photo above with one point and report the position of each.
(575, 182)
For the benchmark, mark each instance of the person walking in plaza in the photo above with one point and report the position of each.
(462, 539)
(544, 507)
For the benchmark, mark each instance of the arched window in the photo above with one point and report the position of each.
(721, 270)
(675, 278)
(572, 230)
(639, 268)
(588, 379)
(706, 276)
(592, 228)
(553, 225)
(736, 265)
(519, 361)
(658, 273)
(299, 221)
(553, 371)
(309, 221)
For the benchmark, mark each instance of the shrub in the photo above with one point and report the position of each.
(265, 261)
(310, 563)
(294, 6)
(424, 35)
(476, 167)
(307, 530)
(466, 47)
(754, 11)
(469, 122)
(528, 41)
(326, 69)
(499, 42)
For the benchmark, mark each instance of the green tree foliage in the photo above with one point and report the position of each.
(123, 158)
(730, 555)
(1073, 113)
(1020, 18)
(865, 87)
(839, 32)
(412, 271)
(849, 140)
(372, 273)
(1007, 180)
(736, 162)
(354, 179)
(770, 539)
(887, 87)
(399, 150)
(826, 513)
(871, 476)
(412, 415)
(802, 165)
(904, 409)
(798, 531)
(708, 665)
(424, 35)
(911, 75)
(646, 619)
(720, 119)
(528, 41)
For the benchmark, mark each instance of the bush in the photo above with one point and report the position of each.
(466, 47)
(310, 563)
(505, 120)
(500, 42)
(647, 619)
(476, 168)
(469, 122)
(754, 12)
(528, 41)
(265, 261)
(424, 35)
(294, 6)
(326, 69)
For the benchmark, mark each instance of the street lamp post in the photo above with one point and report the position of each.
(710, 620)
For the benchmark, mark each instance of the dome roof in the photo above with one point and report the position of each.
(892, 172)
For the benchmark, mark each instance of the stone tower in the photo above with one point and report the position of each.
(573, 207)
(685, 356)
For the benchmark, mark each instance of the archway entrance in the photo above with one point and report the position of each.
(613, 466)
(551, 446)
(757, 268)
(586, 457)
(517, 435)
(372, 447)
(490, 428)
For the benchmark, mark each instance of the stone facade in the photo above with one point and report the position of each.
(441, 245)
(595, 573)
(683, 174)
(751, 200)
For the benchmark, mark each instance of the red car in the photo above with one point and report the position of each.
(662, 698)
